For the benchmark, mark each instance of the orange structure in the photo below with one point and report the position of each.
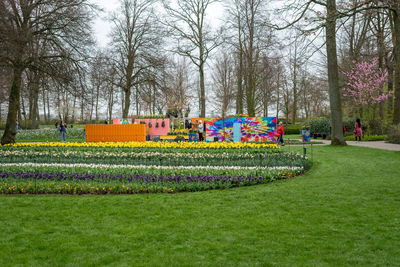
(115, 133)
(195, 122)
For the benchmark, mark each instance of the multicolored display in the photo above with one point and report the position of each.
(122, 121)
(252, 129)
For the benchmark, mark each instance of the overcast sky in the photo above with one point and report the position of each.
(102, 26)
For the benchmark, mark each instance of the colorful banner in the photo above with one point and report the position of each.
(306, 135)
(122, 121)
(252, 129)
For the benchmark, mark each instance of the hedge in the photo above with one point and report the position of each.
(394, 135)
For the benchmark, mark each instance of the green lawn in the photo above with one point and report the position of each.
(345, 211)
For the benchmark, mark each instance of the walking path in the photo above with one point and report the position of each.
(370, 144)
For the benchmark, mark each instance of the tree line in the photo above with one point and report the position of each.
(261, 59)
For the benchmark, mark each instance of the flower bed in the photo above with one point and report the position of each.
(76, 183)
(48, 134)
(196, 145)
(120, 168)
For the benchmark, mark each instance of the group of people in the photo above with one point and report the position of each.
(62, 127)
(358, 132)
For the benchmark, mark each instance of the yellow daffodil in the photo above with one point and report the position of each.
(212, 145)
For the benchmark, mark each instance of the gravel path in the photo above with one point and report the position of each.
(371, 144)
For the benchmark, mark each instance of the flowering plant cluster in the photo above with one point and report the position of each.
(157, 157)
(128, 168)
(366, 82)
(76, 183)
(195, 145)
(47, 134)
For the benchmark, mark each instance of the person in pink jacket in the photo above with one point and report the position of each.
(358, 129)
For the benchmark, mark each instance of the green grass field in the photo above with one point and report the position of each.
(345, 211)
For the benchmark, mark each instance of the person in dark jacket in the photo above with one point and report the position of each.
(358, 129)
(63, 130)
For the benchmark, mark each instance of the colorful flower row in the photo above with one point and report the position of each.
(194, 145)
(162, 159)
(271, 172)
(48, 134)
(60, 183)
(131, 154)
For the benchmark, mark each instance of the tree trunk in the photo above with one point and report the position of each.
(73, 110)
(202, 91)
(127, 103)
(110, 105)
(239, 97)
(35, 108)
(91, 105)
(250, 71)
(44, 105)
(390, 87)
(381, 55)
(82, 105)
(67, 105)
(277, 97)
(154, 99)
(294, 112)
(396, 24)
(137, 99)
(22, 106)
(48, 105)
(13, 106)
(265, 108)
(337, 137)
(97, 103)
(34, 95)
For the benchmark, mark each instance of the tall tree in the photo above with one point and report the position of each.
(395, 11)
(136, 42)
(187, 21)
(252, 38)
(223, 78)
(306, 10)
(64, 25)
(337, 136)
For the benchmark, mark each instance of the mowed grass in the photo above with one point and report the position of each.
(345, 211)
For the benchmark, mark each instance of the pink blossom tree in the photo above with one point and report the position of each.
(366, 83)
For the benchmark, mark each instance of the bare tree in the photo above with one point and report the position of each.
(101, 73)
(195, 40)
(306, 10)
(178, 86)
(5, 80)
(135, 40)
(108, 92)
(313, 94)
(224, 79)
(63, 25)
(252, 40)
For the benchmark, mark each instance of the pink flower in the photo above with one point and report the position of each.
(366, 83)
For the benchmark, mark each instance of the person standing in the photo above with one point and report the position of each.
(281, 133)
(63, 130)
(358, 129)
(201, 131)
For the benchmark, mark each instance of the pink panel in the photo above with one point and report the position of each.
(153, 130)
